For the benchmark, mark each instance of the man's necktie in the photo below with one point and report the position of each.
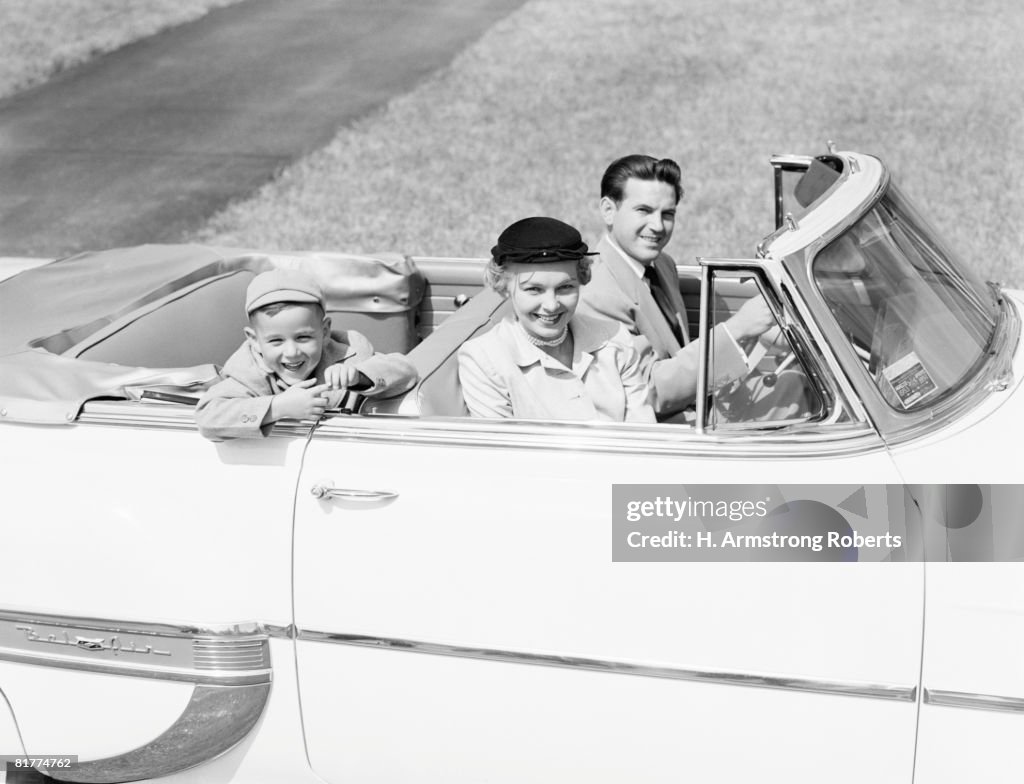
(664, 303)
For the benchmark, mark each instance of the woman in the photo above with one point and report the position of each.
(545, 362)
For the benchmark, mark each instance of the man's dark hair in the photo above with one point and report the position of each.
(642, 167)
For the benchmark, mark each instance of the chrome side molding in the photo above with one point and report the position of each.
(229, 667)
(963, 699)
(850, 689)
(215, 719)
(230, 655)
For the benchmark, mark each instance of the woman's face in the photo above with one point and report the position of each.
(544, 296)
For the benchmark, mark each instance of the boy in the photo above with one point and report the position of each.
(289, 366)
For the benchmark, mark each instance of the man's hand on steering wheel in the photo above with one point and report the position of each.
(754, 318)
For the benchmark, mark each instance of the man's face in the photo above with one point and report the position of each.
(641, 224)
(291, 341)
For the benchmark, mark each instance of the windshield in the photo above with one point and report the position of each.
(919, 322)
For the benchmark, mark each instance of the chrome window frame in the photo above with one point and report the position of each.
(823, 376)
(862, 184)
(781, 164)
(673, 441)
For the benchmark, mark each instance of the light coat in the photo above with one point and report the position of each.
(616, 292)
(502, 374)
(236, 406)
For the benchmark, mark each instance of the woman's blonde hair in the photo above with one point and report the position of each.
(498, 276)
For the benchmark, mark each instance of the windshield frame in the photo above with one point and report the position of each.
(889, 275)
(863, 182)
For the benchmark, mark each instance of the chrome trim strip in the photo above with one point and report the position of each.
(819, 342)
(128, 413)
(911, 427)
(228, 665)
(789, 160)
(774, 286)
(137, 627)
(963, 699)
(786, 683)
(897, 426)
(608, 438)
(703, 350)
(280, 632)
(605, 437)
(860, 188)
(215, 719)
(166, 674)
(226, 655)
(854, 191)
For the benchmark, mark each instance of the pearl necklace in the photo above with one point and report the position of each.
(541, 342)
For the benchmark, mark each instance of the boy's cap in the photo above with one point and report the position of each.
(282, 285)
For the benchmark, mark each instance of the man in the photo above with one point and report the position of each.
(635, 283)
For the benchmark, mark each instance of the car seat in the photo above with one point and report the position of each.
(436, 359)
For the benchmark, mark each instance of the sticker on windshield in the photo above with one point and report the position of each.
(909, 380)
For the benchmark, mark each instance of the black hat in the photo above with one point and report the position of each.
(537, 240)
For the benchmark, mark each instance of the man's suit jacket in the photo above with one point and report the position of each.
(616, 292)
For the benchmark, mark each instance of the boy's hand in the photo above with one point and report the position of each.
(341, 377)
(303, 400)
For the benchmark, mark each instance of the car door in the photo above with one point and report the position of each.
(460, 614)
(972, 678)
(146, 571)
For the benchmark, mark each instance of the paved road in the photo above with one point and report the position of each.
(146, 143)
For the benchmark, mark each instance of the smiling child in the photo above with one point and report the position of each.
(289, 365)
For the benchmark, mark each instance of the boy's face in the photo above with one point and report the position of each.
(291, 340)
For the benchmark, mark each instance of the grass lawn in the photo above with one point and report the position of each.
(524, 122)
(39, 38)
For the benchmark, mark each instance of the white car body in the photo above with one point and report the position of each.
(210, 612)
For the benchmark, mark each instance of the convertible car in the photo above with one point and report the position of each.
(815, 578)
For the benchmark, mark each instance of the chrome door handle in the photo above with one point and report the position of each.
(328, 493)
